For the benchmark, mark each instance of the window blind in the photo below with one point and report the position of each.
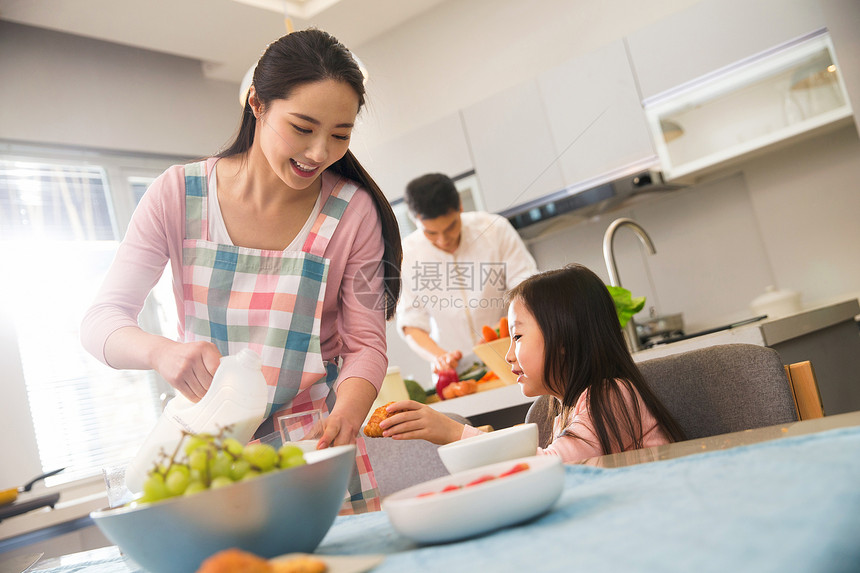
(58, 229)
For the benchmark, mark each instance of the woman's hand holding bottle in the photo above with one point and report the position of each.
(187, 366)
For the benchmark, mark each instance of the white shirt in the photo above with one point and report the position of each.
(452, 295)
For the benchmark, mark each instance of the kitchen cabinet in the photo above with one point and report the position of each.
(595, 114)
(438, 147)
(791, 92)
(713, 34)
(512, 147)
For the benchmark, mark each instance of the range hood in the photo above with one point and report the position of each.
(593, 196)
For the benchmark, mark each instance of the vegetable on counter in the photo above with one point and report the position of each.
(415, 391)
(490, 333)
(457, 389)
(625, 305)
(488, 377)
(445, 378)
(474, 372)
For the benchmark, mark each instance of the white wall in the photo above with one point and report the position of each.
(462, 51)
(61, 89)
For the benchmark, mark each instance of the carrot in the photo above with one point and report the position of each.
(489, 334)
(503, 327)
(490, 375)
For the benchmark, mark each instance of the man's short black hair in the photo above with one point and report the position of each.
(432, 195)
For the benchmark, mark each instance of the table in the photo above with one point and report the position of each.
(783, 505)
(726, 441)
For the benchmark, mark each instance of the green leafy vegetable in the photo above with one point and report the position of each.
(416, 392)
(474, 372)
(625, 305)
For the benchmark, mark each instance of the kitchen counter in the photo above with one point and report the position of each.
(826, 335)
(767, 332)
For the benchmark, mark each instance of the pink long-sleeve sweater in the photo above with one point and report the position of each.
(350, 327)
(586, 445)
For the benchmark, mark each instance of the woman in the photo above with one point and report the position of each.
(282, 243)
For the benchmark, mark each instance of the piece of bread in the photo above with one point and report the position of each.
(372, 429)
(299, 564)
(235, 561)
(238, 561)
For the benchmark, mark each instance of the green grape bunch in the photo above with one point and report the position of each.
(207, 461)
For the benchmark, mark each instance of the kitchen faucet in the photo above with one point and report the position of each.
(609, 257)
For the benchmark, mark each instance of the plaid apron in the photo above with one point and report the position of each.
(270, 302)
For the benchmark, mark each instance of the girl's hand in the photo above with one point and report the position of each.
(187, 366)
(414, 420)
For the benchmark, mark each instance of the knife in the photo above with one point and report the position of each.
(7, 496)
(20, 563)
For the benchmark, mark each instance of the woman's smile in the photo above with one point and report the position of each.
(303, 169)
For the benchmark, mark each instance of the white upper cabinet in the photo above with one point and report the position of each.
(595, 114)
(438, 147)
(713, 34)
(512, 147)
(781, 95)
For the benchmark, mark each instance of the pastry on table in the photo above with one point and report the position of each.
(237, 561)
(372, 429)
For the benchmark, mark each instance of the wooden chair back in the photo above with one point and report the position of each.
(804, 389)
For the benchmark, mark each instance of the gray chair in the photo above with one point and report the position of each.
(710, 391)
(398, 464)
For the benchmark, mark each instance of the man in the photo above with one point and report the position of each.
(456, 269)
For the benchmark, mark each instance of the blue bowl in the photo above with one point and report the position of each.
(280, 512)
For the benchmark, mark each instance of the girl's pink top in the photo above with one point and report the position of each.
(586, 445)
(350, 328)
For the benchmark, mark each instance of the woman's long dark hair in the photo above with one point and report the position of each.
(584, 349)
(309, 56)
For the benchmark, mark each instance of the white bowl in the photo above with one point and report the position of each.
(473, 510)
(279, 512)
(506, 444)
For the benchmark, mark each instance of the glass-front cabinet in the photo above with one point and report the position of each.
(791, 90)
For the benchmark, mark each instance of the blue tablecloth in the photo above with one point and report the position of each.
(788, 505)
(783, 506)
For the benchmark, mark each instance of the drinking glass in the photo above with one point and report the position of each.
(303, 429)
(117, 492)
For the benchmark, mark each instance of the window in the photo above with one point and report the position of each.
(60, 224)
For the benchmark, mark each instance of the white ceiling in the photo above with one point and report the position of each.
(227, 36)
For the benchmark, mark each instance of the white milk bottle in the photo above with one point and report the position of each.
(237, 398)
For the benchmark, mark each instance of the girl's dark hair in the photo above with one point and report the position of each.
(584, 349)
(310, 56)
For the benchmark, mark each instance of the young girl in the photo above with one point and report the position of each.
(566, 343)
(282, 244)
